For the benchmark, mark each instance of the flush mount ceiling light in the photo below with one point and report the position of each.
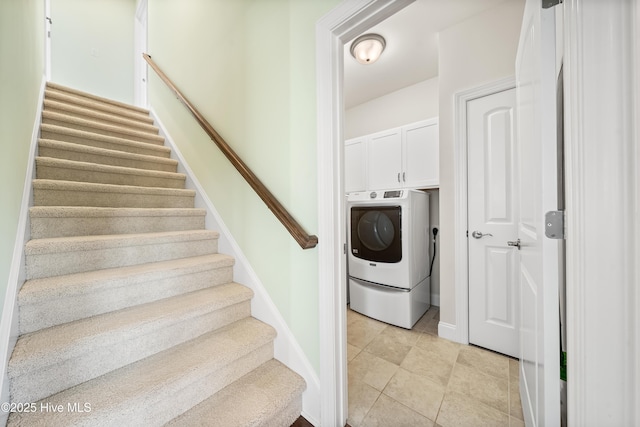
(367, 48)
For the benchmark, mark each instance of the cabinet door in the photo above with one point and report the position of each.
(421, 155)
(385, 160)
(355, 165)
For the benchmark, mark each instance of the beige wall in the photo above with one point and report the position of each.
(249, 67)
(92, 46)
(479, 50)
(21, 74)
(407, 105)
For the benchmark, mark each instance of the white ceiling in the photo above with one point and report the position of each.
(411, 54)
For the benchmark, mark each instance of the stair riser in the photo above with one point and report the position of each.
(79, 156)
(100, 177)
(115, 200)
(151, 150)
(80, 100)
(60, 263)
(101, 117)
(116, 132)
(125, 292)
(96, 358)
(42, 228)
(161, 412)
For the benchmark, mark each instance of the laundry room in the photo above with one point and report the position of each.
(403, 171)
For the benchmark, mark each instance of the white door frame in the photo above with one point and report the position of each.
(460, 331)
(602, 144)
(140, 46)
(345, 21)
(47, 39)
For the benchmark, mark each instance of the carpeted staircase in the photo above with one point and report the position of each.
(130, 316)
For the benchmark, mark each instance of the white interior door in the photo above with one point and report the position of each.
(539, 256)
(492, 222)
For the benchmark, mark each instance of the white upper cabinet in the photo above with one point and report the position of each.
(355, 161)
(420, 151)
(384, 164)
(404, 157)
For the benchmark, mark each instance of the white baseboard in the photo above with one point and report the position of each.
(286, 348)
(447, 331)
(9, 326)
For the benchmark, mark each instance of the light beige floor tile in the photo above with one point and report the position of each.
(363, 330)
(446, 349)
(514, 422)
(514, 369)
(352, 352)
(418, 393)
(371, 370)
(352, 316)
(361, 398)
(428, 364)
(487, 361)
(393, 344)
(515, 405)
(459, 411)
(386, 412)
(475, 384)
(432, 327)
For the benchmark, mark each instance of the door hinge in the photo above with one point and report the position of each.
(546, 4)
(554, 225)
(344, 248)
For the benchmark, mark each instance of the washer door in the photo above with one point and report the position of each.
(376, 234)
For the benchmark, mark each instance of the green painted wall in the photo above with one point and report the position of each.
(21, 74)
(249, 67)
(92, 46)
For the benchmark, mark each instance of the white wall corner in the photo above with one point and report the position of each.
(9, 326)
(286, 347)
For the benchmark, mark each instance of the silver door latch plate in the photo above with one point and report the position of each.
(554, 224)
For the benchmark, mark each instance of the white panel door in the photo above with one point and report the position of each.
(420, 153)
(385, 160)
(537, 178)
(492, 217)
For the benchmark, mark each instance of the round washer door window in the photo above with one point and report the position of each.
(376, 231)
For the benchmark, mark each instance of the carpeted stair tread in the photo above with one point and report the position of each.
(68, 221)
(54, 87)
(91, 139)
(155, 390)
(66, 355)
(100, 128)
(89, 104)
(71, 170)
(85, 153)
(256, 399)
(56, 300)
(48, 192)
(68, 255)
(99, 116)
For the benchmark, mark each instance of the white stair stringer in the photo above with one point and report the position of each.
(129, 315)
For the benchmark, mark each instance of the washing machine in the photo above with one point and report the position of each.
(389, 257)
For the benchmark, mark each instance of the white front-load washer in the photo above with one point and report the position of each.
(388, 257)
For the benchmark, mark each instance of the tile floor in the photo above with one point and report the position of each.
(414, 378)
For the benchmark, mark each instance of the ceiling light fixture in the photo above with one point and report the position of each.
(367, 48)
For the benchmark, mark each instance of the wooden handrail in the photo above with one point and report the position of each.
(305, 240)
